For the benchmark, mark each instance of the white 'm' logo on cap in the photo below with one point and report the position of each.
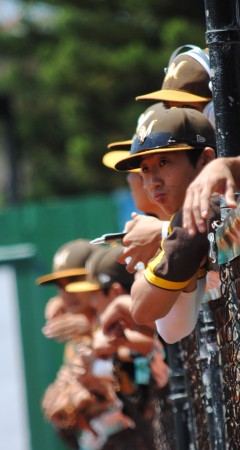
(173, 70)
(60, 259)
(144, 132)
(142, 119)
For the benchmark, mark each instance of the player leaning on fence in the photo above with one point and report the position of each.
(171, 148)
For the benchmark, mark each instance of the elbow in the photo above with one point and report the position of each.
(144, 316)
(171, 337)
(140, 316)
(136, 316)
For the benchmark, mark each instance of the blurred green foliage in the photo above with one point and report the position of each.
(73, 75)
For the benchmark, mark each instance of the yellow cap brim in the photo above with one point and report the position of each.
(53, 277)
(120, 145)
(82, 286)
(110, 159)
(168, 95)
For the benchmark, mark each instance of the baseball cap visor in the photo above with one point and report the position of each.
(120, 145)
(83, 286)
(110, 159)
(169, 95)
(53, 277)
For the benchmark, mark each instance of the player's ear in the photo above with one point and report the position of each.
(117, 288)
(207, 155)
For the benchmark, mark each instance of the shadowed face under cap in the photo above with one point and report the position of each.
(169, 130)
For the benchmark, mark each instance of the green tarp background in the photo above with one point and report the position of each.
(30, 235)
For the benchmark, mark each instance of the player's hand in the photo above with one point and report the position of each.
(66, 326)
(141, 242)
(215, 177)
(54, 307)
(117, 317)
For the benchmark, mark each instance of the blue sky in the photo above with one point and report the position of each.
(9, 10)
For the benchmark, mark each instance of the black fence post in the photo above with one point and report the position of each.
(178, 398)
(6, 117)
(223, 41)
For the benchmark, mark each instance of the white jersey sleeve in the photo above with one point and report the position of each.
(182, 318)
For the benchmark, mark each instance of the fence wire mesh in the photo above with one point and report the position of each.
(227, 320)
(211, 357)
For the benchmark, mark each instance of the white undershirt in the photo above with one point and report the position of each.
(182, 318)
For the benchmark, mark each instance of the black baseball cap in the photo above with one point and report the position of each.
(103, 271)
(168, 130)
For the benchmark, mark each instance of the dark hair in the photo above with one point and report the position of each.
(127, 287)
(194, 155)
(107, 288)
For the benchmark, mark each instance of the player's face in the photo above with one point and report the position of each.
(99, 301)
(76, 302)
(140, 196)
(166, 176)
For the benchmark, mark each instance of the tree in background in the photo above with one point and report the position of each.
(72, 74)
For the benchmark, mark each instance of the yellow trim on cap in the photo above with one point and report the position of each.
(52, 277)
(170, 95)
(82, 286)
(120, 145)
(110, 159)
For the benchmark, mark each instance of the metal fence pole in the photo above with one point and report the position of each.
(223, 40)
(178, 397)
(7, 118)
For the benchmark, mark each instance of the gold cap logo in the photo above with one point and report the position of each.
(174, 70)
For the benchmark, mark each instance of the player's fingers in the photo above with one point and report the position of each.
(198, 219)
(122, 256)
(205, 201)
(131, 264)
(188, 218)
(229, 194)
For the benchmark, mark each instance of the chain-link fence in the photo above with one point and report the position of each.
(210, 356)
